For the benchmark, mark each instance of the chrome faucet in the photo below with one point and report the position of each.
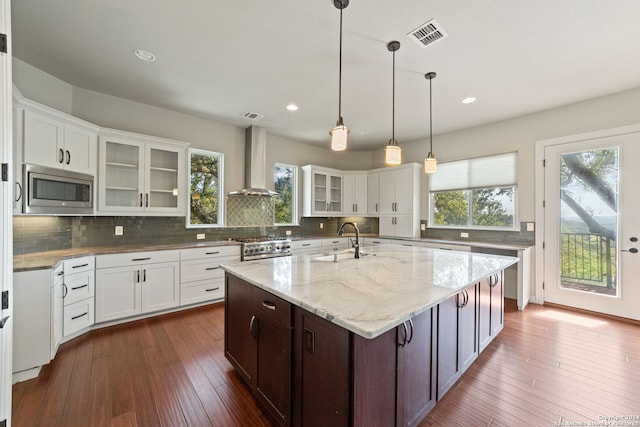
(356, 244)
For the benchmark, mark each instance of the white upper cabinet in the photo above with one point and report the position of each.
(373, 190)
(57, 142)
(140, 174)
(355, 193)
(322, 191)
(399, 201)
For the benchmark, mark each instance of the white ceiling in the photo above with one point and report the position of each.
(220, 59)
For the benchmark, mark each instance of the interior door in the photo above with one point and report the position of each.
(591, 231)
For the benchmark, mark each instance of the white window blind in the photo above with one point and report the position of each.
(480, 172)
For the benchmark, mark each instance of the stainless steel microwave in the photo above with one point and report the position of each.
(51, 191)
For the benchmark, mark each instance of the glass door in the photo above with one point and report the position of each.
(121, 185)
(591, 258)
(162, 179)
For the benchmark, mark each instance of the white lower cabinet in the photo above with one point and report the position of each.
(299, 247)
(78, 294)
(201, 278)
(136, 283)
(57, 308)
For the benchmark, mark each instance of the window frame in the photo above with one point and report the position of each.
(221, 193)
(294, 191)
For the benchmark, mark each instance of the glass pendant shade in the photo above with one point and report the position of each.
(392, 154)
(339, 136)
(430, 164)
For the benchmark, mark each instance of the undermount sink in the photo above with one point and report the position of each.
(338, 256)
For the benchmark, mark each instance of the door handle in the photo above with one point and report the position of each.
(406, 334)
(61, 159)
(269, 305)
(19, 191)
(68, 157)
(252, 324)
(631, 239)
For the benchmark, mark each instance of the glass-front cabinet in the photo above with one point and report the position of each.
(322, 195)
(141, 177)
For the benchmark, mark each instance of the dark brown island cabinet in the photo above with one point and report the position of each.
(307, 371)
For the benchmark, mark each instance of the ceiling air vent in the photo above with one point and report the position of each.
(427, 34)
(252, 116)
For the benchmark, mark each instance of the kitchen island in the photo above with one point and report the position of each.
(333, 340)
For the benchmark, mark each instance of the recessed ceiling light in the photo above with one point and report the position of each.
(469, 100)
(292, 107)
(145, 55)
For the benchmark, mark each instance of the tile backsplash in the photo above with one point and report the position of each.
(42, 233)
(250, 211)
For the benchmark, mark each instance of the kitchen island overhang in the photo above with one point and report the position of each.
(371, 295)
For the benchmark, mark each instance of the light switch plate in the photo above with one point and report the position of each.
(465, 235)
(288, 232)
(531, 226)
(200, 236)
(119, 230)
(321, 225)
(423, 227)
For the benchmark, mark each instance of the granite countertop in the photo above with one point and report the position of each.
(49, 259)
(373, 294)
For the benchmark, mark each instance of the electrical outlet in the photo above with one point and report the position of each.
(423, 227)
(119, 230)
(321, 225)
(288, 232)
(531, 226)
(465, 235)
(200, 236)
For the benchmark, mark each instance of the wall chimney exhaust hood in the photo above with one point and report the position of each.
(255, 162)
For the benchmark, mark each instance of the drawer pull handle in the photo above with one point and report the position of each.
(60, 273)
(80, 265)
(141, 259)
(65, 290)
(252, 325)
(269, 305)
(212, 289)
(212, 253)
(80, 315)
(212, 268)
(79, 287)
(306, 244)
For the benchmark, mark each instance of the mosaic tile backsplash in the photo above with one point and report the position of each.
(250, 211)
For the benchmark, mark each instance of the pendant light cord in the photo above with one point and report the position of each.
(430, 119)
(340, 74)
(393, 102)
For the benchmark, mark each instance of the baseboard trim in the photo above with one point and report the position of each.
(593, 313)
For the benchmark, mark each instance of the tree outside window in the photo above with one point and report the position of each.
(285, 179)
(485, 207)
(205, 188)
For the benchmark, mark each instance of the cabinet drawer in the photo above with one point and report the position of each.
(336, 244)
(136, 258)
(373, 241)
(210, 252)
(202, 269)
(305, 244)
(78, 316)
(202, 290)
(272, 305)
(78, 286)
(79, 265)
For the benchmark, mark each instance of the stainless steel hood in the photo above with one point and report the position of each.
(255, 162)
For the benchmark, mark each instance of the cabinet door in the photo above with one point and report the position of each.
(117, 293)
(404, 226)
(57, 307)
(403, 189)
(240, 347)
(448, 370)
(273, 380)
(162, 172)
(387, 192)
(467, 330)
(416, 385)
(484, 313)
(121, 176)
(80, 150)
(349, 194)
(387, 225)
(160, 286)
(373, 181)
(496, 283)
(43, 140)
(334, 195)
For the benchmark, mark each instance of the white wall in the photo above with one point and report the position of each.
(42, 87)
(520, 133)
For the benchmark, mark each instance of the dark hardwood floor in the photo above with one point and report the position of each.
(547, 366)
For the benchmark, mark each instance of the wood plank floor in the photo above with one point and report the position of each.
(547, 366)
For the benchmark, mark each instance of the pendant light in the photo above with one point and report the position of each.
(340, 132)
(430, 163)
(392, 152)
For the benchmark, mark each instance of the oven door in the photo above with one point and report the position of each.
(52, 191)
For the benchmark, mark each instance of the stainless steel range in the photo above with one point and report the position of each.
(264, 247)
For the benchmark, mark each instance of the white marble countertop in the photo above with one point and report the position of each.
(373, 294)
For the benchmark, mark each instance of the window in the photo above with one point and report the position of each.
(475, 193)
(206, 192)
(286, 202)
